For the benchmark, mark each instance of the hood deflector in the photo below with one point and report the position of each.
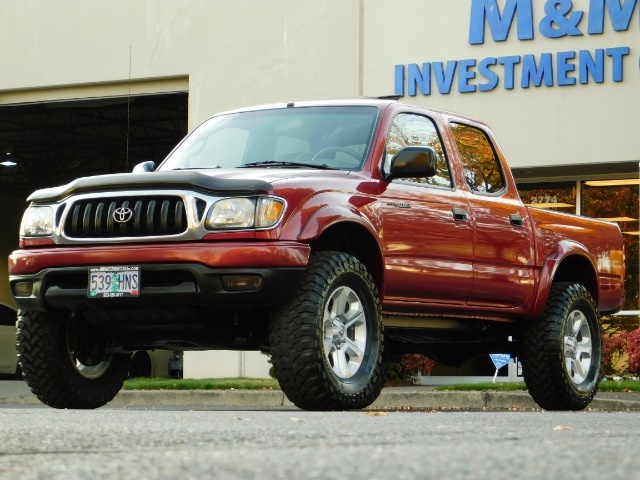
(153, 181)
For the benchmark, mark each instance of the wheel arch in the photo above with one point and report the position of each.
(141, 365)
(570, 263)
(346, 230)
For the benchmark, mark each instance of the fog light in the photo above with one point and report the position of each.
(242, 283)
(23, 289)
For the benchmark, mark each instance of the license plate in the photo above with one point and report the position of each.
(114, 282)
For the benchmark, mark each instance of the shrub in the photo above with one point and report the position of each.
(613, 351)
(408, 369)
(632, 349)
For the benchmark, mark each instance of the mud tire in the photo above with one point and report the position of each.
(304, 349)
(47, 366)
(562, 350)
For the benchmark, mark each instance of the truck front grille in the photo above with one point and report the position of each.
(134, 216)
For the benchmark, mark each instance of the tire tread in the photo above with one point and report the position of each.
(296, 340)
(543, 356)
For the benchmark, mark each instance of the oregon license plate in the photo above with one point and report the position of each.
(114, 282)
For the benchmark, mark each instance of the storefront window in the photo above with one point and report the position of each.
(611, 201)
(619, 203)
(560, 197)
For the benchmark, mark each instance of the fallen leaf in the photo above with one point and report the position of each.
(377, 414)
(562, 427)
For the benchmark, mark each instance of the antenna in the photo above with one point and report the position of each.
(128, 113)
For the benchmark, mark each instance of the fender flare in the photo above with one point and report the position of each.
(564, 249)
(331, 215)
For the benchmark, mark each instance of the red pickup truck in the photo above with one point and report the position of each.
(334, 235)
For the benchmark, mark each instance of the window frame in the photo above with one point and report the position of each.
(408, 181)
(496, 157)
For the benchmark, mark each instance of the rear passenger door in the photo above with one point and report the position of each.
(428, 238)
(503, 243)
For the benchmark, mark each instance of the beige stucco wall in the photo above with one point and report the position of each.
(223, 364)
(235, 53)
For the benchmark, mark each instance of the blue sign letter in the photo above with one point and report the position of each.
(490, 75)
(464, 75)
(444, 79)
(532, 73)
(399, 80)
(564, 68)
(509, 62)
(617, 54)
(589, 65)
(500, 24)
(421, 79)
(620, 15)
(556, 24)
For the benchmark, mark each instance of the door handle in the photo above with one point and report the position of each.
(460, 214)
(515, 219)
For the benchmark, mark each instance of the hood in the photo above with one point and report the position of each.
(229, 182)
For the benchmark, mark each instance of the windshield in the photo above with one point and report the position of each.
(335, 137)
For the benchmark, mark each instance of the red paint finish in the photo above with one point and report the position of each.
(221, 255)
(428, 255)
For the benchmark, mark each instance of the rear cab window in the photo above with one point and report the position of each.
(480, 164)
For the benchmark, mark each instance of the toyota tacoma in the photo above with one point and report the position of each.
(334, 235)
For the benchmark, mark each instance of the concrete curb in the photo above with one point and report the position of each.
(210, 398)
(406, 398)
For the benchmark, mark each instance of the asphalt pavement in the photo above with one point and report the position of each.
(393, 398)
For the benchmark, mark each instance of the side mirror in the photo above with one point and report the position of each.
(143, 167)
(412, 162)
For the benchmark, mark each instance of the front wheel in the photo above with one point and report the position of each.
(562, 350)
(67, 362)
(327, 341)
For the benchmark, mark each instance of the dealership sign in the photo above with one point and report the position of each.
(562, 68)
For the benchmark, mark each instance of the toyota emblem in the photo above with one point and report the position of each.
(122, 214)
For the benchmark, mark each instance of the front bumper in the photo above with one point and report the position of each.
(172, 275)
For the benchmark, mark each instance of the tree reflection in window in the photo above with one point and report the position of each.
(416, 130)
(619, 204)
(481, 167)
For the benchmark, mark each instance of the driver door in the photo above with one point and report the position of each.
(428, 236)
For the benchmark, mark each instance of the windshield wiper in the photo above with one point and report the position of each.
(195, 168)
(276, 163)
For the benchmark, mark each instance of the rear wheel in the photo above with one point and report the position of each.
(67, 362)
(327, 342)
(562, 350)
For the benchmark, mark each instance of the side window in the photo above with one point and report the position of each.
(481, 167)
(411, 130)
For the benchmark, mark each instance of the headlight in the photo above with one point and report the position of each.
(37, 222)
(233, 213)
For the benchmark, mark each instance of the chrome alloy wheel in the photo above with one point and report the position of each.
(89, 364)
(345, 332)
(91, 371)
(578, 347)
